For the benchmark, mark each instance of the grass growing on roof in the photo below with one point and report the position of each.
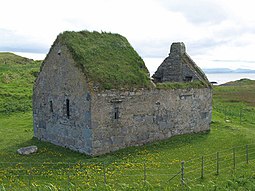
(107, 59)
(181, 85)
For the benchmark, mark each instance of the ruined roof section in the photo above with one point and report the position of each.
(198, 71)
(107, 60)
(179, 67)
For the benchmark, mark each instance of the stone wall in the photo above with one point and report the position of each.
(70, 114)
(121, 119)
(178, 67)
(61, 103)
(188, 73)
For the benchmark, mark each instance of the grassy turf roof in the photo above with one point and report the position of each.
(107, 59)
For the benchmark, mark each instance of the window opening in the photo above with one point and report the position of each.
(51, 106)
(116, 113)
(188, 78)
(67, 108)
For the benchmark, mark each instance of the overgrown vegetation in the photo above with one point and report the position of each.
(57, 168)
(17, 75)
(238, 91)
(181, 85)
(107, 59)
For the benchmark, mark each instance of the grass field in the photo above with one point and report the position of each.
(148, 167)
(17, 75)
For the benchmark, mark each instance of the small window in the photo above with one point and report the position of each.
(188, 78)
(51, 106)
(157, 79)
(67, 108)
(88, 97)
(116, 113)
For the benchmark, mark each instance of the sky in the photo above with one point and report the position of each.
(217, 33)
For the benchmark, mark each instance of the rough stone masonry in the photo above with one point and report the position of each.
(68, 111)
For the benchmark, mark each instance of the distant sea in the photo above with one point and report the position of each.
(222, 78)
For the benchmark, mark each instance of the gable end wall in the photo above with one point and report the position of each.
(59, 84)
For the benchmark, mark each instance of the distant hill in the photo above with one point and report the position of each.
(241, 82)
(10, 58)
(17, 75)
(226, 70)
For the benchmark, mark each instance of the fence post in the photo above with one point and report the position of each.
(68, 176)
(234, 158)
(144, 172)
(247, 154)
(241, 115)
(104, 174)
(217, 163)
(225, 114)
(202, 168)
(30, 176)
(182, 173)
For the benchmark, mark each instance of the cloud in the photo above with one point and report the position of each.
(197, 11)
(13, 42)
(211, 29)
(243, 61)
(153, 48)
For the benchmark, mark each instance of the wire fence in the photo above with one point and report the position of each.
(236, 112)
(123, 176)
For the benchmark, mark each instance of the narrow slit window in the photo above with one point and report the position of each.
(51, 106)
(116, 113)
(67, 108)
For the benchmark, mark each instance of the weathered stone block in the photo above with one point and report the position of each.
(27, 150)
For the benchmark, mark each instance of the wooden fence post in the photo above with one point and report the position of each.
(225, 114)
(182, 173)
(217, 163)
(68, 176)
(144, 173)
(30, 176)
(202, 168)
(247, 154)
(104, 174)
(241, 110)
(234, 158)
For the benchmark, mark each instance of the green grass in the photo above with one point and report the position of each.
(165, 156)
(107, 59)
(239, 91)
(9, 59)
(181, 85)
(17, 75)
(54, 167)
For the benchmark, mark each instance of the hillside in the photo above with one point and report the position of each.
(10, 58)
(155, 166)
(17, 75)
(242, 90)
